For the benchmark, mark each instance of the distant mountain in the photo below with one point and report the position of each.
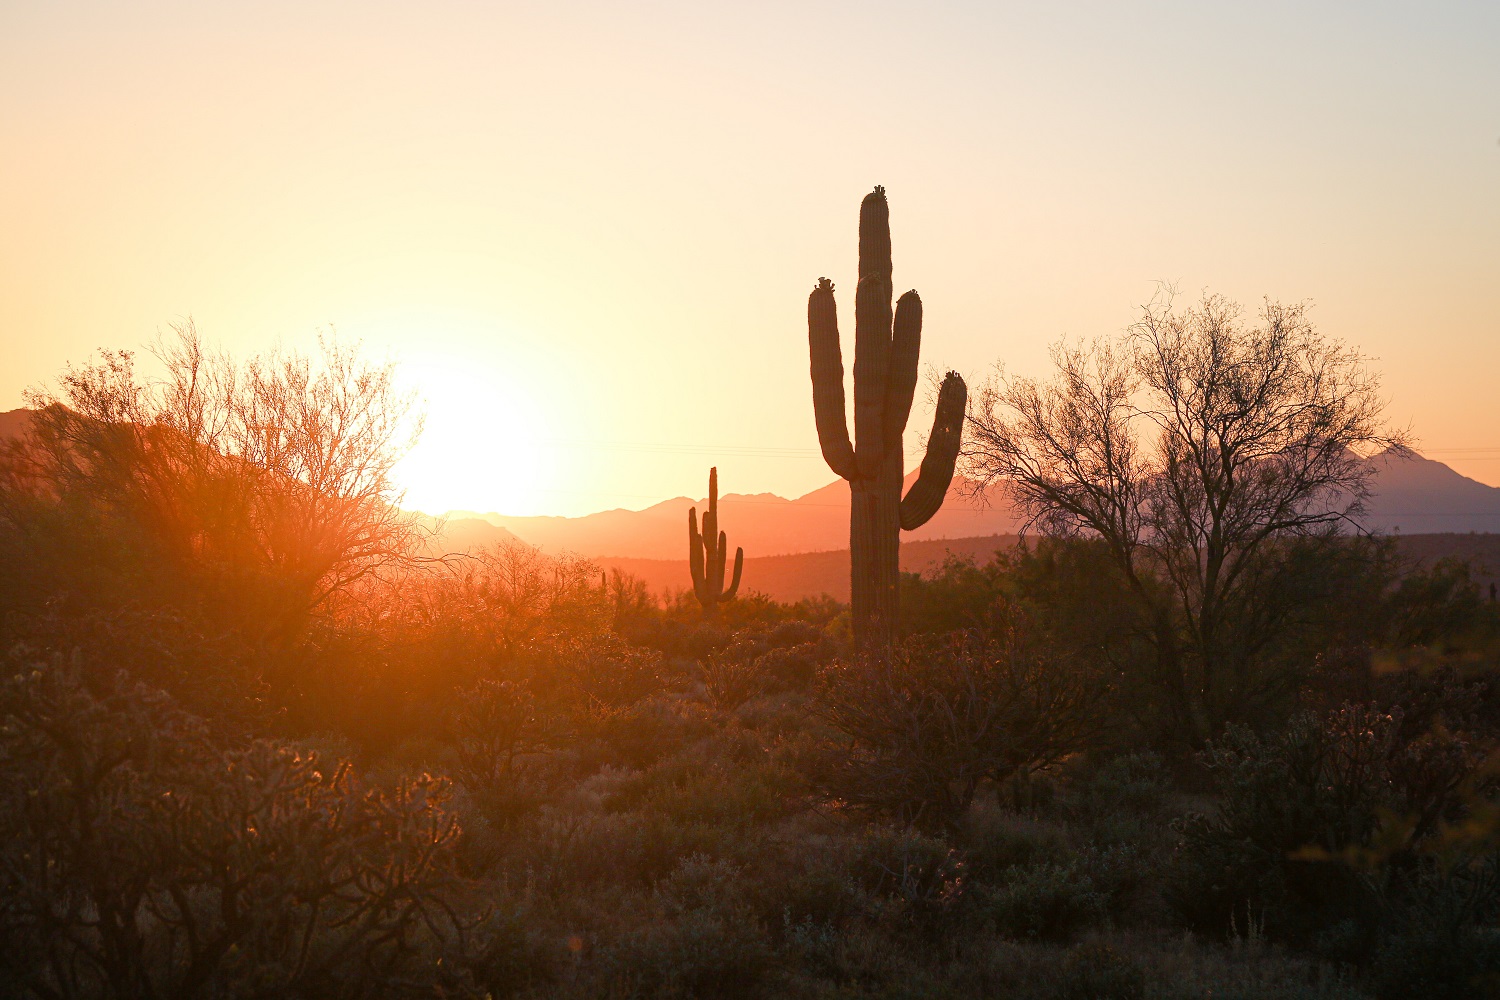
(1412, 495)
(763, 524)
(1416, 495)
(13, 423)
(458, 535)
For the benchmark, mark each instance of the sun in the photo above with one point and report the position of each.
(479, 449)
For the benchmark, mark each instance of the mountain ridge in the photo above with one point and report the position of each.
(1411, 494)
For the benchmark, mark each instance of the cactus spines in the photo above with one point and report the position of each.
(707, 551)
(886, 348)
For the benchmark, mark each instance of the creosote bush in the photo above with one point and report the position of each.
(140, 859)
(925, 724)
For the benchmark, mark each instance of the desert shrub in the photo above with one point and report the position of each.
(1126, 876)
(782, 657)
(957, 595)
(509, 957)
(640, 734)
(502, 745)
(1042, 901)
(995, 840)
(1442, 942)
(1435, 604)
(601, 671)
(1135, 783)
(689, 789)
(820, 894)
(1121, 799)
(926, 723)
(1282, 794)
(730, 678)
(1326, 832)
(917, 878)
(212, 673)
(252, 493)
(140, 858)
(1099, 972)
(700, 938)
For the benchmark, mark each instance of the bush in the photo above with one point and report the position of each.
(1099, 972)
(703, 939)
(995, 840)
(139, 858)
(1326, 832)
(502, 744)
(1046, 902)
(917, 878)
(1443, 943)
(926, 723)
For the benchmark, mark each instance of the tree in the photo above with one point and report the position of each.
(265, 485)
(1195, 447)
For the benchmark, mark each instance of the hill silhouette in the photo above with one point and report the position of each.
(764, 524)
(1411, 495)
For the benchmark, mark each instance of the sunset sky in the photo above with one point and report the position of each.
(587, 231)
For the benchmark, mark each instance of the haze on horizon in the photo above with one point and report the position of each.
(587, 231)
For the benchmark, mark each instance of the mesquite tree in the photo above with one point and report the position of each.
(886, 346)
(1197, 448)
(706, 552)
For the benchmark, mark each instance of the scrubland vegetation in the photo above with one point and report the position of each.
(258, 739)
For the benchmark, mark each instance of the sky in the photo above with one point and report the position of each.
(586, 231)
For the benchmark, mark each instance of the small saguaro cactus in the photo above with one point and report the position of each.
(886, 346)
(706, 552)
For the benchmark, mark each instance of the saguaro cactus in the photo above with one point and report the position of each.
(886, 346)
(706, 552)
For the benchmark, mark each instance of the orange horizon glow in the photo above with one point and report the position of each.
(587, 231)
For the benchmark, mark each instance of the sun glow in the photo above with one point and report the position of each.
(479, 448)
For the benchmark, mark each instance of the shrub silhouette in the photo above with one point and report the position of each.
(140, 859)
(926, 722)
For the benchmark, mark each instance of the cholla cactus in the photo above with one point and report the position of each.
(886, 347)
(706, 552)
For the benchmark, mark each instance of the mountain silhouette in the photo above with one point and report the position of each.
(1418, 496)
(762, 523)
(1411, 496)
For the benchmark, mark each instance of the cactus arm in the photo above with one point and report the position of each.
(906, 347)
(828, 380)
(695, 554)
(739, 564)
(927, 493)
(872, 348)
(718, 571)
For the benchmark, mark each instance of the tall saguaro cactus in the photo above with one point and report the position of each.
(706, 552)
(886, 346)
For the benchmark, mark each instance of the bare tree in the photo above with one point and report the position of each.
(271, 477)
(1192, 446)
